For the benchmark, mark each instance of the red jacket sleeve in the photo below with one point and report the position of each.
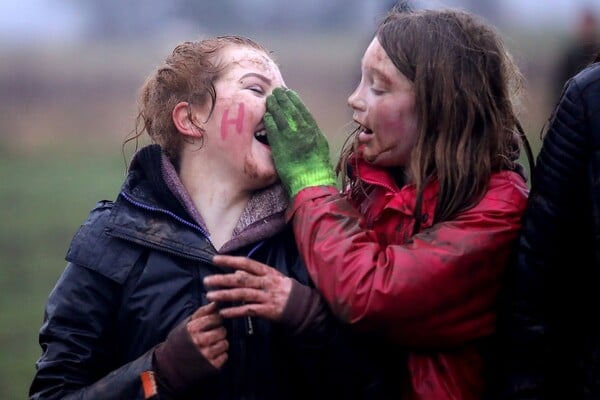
(438, 289)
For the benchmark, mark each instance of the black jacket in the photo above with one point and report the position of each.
(552, 324)
(135, 270)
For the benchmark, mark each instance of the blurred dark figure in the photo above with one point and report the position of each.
(579, 51)
(553, 326)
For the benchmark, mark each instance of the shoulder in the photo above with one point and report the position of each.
(93, 248)
(572, 133)
(588, 77)
(508, 187)
(584, 87)
(93, 226)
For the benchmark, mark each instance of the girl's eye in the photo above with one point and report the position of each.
(257, 89)
(377, 87)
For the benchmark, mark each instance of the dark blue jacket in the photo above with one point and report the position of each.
(552, 324)
(135, 270)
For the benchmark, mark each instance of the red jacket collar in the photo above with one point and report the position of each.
(399, 198)
(373, 174)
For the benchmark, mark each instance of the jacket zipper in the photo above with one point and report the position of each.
(380, 184)
(169, 213)
(249, 322)
(208, 259)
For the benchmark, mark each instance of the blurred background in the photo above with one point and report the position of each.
(69, 75)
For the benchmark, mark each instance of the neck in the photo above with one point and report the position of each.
(219, 200)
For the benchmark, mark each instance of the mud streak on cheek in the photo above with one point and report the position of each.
(238, 121)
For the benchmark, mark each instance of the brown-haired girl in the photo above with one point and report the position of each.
(412, 252)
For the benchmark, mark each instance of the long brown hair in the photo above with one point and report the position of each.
(465, 85)
(188, 74)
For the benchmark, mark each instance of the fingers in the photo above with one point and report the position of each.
(208, 309)
(301, 107)
(249, 274)
(266, 301)
(220, 360)
(270, 124)
(272, 99)
(213, 345)
(241, 263)
(275, 113)
(205, 322)
(206, 330)
(238, 294)
(254, 289)
(274, 136)
(250, 310)
(289, 110)
(280, 90)
(263, 305)
(283, 111)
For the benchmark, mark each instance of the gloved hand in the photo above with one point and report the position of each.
(300, 151)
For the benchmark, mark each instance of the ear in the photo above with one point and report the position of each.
(182, 118)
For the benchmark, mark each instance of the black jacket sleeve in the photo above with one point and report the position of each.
(544, 318)
(78, 339)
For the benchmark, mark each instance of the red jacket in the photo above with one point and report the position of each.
(432, 294)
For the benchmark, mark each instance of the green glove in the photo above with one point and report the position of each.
(299, 149)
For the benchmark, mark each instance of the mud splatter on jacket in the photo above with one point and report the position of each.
(430, 298)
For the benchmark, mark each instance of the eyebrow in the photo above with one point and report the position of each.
(376, 72)
(259, 76)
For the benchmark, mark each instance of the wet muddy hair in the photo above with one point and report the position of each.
(466, 86)
(188, 74)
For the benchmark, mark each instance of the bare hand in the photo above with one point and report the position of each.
(208, 334)
(262, 290)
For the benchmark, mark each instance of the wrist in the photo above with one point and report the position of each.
(304, 309)
(323, 176)
(178, 363)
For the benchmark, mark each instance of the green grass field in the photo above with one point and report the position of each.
(44, 196)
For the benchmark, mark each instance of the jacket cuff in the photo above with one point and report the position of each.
(309, 194)
(304, 311)
(178, 363)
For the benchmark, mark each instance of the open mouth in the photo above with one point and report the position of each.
(261, 136)
(361, 129)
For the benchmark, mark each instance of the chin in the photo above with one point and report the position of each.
(381, 160)
(370, 158)
(264, 180)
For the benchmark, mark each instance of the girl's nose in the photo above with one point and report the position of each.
(355, 102)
